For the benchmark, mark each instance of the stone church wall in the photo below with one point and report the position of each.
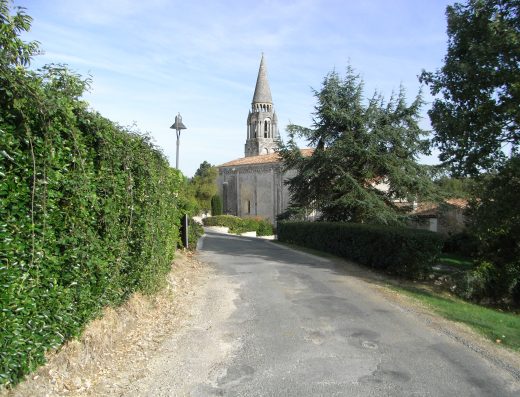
(253, 190)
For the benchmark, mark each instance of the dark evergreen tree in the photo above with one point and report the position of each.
(365, 155)
(216, 205)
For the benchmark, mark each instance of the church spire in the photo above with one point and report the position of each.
(262, 90)
(262, 123)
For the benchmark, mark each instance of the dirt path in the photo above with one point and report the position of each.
(127, 351)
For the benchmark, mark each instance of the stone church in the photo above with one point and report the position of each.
(254, 185)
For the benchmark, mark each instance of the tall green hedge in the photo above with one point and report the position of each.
(88, 214)
(402, 251)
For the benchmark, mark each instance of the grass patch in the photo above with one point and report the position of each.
(493, 324)
(457, 261)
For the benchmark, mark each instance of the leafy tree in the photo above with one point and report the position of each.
(204, 169)
(477, 125)
(204, 185)
(476, 118)
(452, 187)
(358, 147)
(498, 226)
(495, 221)
(13, 50)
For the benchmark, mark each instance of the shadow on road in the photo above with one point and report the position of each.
(272, 251)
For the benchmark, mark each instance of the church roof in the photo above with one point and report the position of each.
(262, 159)
(262, 90)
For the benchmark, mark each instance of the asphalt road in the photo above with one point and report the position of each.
(302, 327)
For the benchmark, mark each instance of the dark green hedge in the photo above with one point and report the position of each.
(88, 214)
(402, 251)
(241, 225)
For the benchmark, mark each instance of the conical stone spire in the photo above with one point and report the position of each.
(262, 90)
(262, 123)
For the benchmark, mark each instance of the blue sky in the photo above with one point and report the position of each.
(151, 59)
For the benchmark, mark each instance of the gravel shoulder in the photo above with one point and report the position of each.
(129, 350)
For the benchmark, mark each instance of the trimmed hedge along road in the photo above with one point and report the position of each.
(89, 215)
(406, 252)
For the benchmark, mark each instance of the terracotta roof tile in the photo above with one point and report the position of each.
(262, 159)
(431, 209)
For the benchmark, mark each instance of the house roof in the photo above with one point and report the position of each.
(431, 209)
(262, 159)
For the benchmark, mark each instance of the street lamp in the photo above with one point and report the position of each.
(178, 126)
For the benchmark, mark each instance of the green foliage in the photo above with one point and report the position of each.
(491, 284)
(451, 187)
(476, 115)
(13, 50)
(89, 212)
(402, 251)
(494, 227)
(216, 205)
(195, 231)
(462, 243)
(495, 218)
(238, 225)
(357, 146)
(204, 185)
(221, 220)
(476, 121)
(204, 169)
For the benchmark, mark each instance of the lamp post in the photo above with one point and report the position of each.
(178, 126)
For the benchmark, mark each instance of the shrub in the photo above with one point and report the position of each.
(195, 231)
(238, 225)
(216, 205)
(221, 220)
(398, 250)
(264, 228)
(463, 243)
(488, 282)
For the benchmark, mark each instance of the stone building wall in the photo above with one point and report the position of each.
(254, 190)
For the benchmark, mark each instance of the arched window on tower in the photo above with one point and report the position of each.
(266, 129)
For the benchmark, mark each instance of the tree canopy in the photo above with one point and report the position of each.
(364, 158)
(476, 118)
(204, 185)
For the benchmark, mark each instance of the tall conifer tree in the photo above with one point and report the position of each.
(360, 147)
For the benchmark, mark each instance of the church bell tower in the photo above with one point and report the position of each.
(262, 123)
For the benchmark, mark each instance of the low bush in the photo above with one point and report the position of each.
(397, 250)
(488, 283)
(462, 243)
(221, 220)
(195, 231)
(239, 225)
